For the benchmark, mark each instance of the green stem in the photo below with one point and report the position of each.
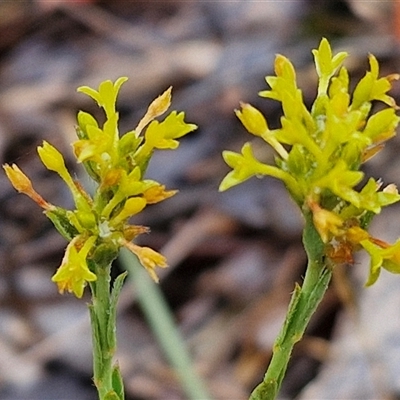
(302, 306)
(106, 376)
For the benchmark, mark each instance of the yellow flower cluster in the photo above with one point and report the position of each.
(319, 153)
(99, 225)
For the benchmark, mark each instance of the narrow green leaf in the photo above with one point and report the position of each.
(115, 292)
(96, 342)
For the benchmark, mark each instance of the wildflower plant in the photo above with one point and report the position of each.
(319, 153)
(99, 225)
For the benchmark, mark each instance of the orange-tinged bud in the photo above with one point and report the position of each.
(158, 107)
(23, 185)
(18, 179)
(131, 231)
(355, 235)
(148, 257)
(327, 223)
(111, 178)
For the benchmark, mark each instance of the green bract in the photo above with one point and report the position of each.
(319, 151)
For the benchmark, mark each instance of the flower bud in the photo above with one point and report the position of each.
(51, 158)
(23, 184)
(252, 119)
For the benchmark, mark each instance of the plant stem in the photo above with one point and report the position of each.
(106, 376)
(302, 306)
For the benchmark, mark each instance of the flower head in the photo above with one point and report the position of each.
(117, 163)
(319, 152)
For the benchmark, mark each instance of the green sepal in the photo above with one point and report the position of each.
(60, 220)
(117, 382)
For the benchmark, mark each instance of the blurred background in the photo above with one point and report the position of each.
(234, 257)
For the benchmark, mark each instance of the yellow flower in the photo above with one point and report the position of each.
(106, 95)
(371, 87)
(163, 135)
(326, 64)
(23, 185)
(245, 166)
(148, 257)
(383, 255)
(98, 226)
(74, 273)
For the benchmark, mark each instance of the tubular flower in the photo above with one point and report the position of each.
(320, 150)
(117, 163)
